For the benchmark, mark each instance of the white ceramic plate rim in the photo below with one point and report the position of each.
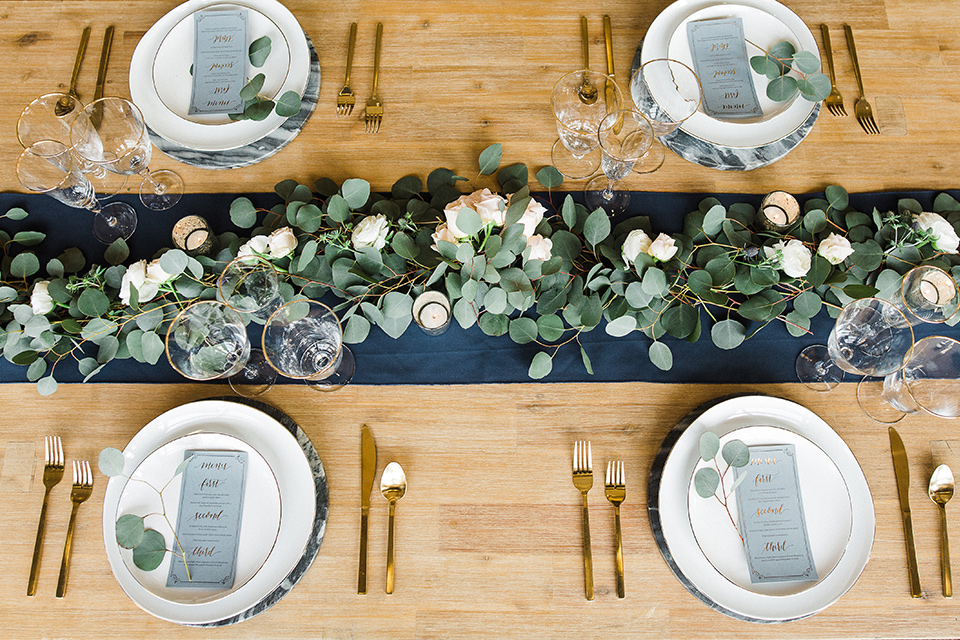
(726, 132)
(203, 441)
(292, 470)
(203, 137)
(678, 536)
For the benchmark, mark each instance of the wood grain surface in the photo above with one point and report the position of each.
(488, 534)
(458, 75)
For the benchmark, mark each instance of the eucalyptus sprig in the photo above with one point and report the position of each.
(256, 106)
(709, 481)
(782, 59)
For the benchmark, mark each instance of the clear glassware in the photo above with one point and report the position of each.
(575, 154)
(930, 380)
(42, 120)
(667, 92)
(207, 341)
(111, 132)
(303, 340)
(625, 137)
(928, 294)
(48, 166)
(250, 285)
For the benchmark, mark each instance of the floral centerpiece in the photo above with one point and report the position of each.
(512, 263)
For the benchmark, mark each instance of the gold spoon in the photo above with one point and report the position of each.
(393, 484)
(587, 92)
(67, 103)
(940, 491)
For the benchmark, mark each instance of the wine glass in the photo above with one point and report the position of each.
(43, 120)
(625, 136)
(250, 285)
(668, 92)
(47, 166)
(928, 294)
(111, 132)
(929, 381)
(575, 153)
(871, 337)
(303, 340)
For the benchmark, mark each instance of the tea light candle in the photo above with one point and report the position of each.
(937, 288)
(778, 211)
(431, 311)
(193, 235)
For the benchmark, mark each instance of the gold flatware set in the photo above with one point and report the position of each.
(393, 486)
(82, 489)
(346, 99)
(834, 101)
(615, 491)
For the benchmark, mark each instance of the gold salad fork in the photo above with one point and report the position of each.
(583, 480)
(834, 101)
(861, 107)
(346, 99)
(82, 488)
(616, 491)
(373, 114)
(52, 474)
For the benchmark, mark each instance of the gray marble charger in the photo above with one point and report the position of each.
(255, 151)
(319, 521)
(714, 156)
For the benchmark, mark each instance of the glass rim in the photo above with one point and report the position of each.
(52, 94)
(602, 128)
(907, 384)
(894, 307)
(682, 64)
(27, 152)
(173, 323)
(599, 75)
(259, 259)
(928, 267)
(266, 352)
(106, 100)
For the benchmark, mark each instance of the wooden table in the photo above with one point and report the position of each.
(488, 535)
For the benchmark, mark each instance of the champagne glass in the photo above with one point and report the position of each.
(303, 340)
(111, 132)
(48, 167)
(928, 294)
(42, 120)
(250, 285)
(668, 92)
(575, 153)
(625, 136)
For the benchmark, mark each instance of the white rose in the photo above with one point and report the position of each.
(490, 206)
(443, 233)
(944, 237)
(538, 247)
(156, 274)
(663, 248)
(637, 242)
(371, 232)
(257, 245)
(794, 257)
(531, 217)
(40, 300)
(281, 242)
(835, 248)
(136, 277)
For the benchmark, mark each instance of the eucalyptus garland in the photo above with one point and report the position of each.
(512, 264)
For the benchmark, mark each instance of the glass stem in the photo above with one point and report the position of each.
(158, 188)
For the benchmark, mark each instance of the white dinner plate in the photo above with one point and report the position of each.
(213, 136)
(765, 22)
(680, 545)
(172, 80)
(826, 508)
(260, 515)
(294, 478)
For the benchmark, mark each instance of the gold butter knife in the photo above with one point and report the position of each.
(608, 43)
(368, 469)
(902, 471)
(104, 57)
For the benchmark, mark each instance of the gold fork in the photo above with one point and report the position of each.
(346, 99)
(82, 488)
(616, 491)
(583, 480)
(373, 115)
(52, 474)
(834, 101)
(861, 107)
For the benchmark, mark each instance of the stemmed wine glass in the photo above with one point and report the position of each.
(47, 166)
(930, 380)
(42, 119)
(575, 153)
(250, 285)
(668, 92)
(625, 137)
(303, 340)
(111, 132)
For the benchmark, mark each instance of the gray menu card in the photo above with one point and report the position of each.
(720, 59)
(208, 523)
(219, 61)
(771, 517)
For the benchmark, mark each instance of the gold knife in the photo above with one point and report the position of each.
(902, 471)
(608, 43)
(104, 56)
(368, 469)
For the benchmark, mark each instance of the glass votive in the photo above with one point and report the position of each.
(778, 211)
(929, 294)
(193, 235)
(431, 312)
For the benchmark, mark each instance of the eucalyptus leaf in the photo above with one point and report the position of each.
(490, 159)
(735, 453)
(540, 366)
(150, 553)
(130, 530)
(252, 88)
(706, 481)
(709, 445)
(288, 104)
(549, 177)
(356, 192)
(259, 50)
(728, 334)
(111, 462)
